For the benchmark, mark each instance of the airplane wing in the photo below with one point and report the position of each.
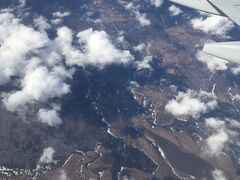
(201, 5)
(230, 8)
(225, 50)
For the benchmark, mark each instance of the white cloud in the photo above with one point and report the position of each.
(235, 70)
(216, 142)
(221, 134)
(213, 24)
(47, 155)
(214, 123)
(62, 176)
(192, 103)
(99, 50)
(141, 17)
(213, 63)
(38, 85)
(139, 47)
(65, 34)
(61, 14)
(216, 64)
(237, 97)
(41, 23)
(174, 10)
(22, 3)
(157, 3)
(234, 123)
(17, 41)
(144, 64)
(56, 21)
(41, 65)
(218, 175)
(49, 117)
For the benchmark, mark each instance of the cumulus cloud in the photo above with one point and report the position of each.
(58, 16)
(49, 117)
(216, 142)
(22, 2)
(47, 155)
(235, 70)
(61, 14)
(99, 50)
(65, 34)
(17, 41)
(234, 123)
(141, 17)
(62, 176)
(56, 21)
(218, 175)
(174, 10)
(216, 64)
(215, 123)
(144, 64)
(41, 66)
(38, 85)
(191, 103)
(127, 178)
(157, 3)
(213, 24)
(221, 134)
(41, 23)
(139, 47)
(213, 63)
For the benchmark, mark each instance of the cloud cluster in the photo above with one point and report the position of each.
(63, 176)
(191, 103)
(47, 155)
(61, 14)
(38, 85)
(58, 16)
(216, 142)
(49, 117)
(139, 47)
(17, 42)
(41, 23)
(213, 24)
(216, 64)
(174, 10)
(218, 175)
(144, 64)
(141, 17)
(22, 3)
(235, 70)
(99, 50)
(41, 66)
(215, 123)
(156, 3)
(144, 50)
(221, 134)
(213, 63)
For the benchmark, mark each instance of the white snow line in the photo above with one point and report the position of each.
(109, 132)
(67, 160)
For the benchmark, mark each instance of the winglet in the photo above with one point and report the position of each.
(226, 50)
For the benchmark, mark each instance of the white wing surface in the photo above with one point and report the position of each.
(225, 50)
(201, 5)
(230, 8)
